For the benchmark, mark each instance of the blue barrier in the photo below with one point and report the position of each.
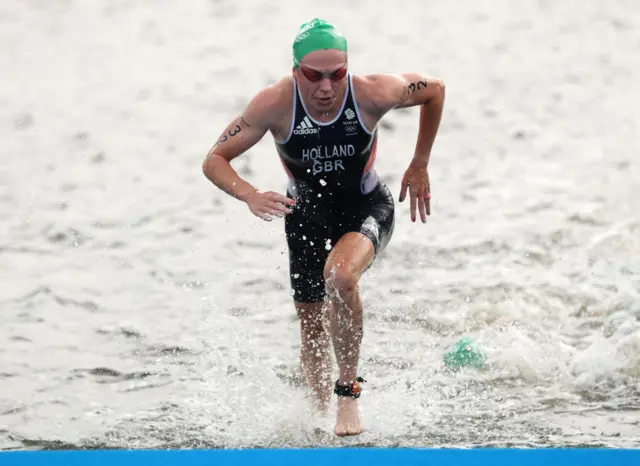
(328, 456)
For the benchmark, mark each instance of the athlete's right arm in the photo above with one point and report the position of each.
(239, 136)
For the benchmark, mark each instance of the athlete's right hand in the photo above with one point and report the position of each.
(268, 205)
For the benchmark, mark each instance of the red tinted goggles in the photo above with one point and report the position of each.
(315, 76)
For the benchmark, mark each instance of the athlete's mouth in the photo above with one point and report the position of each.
(325, 100)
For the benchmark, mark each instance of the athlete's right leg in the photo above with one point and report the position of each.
(315, 351)
(307, 233)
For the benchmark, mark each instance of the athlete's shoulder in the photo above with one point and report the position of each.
(275, 95)
(382, 92)
(377, 92)
(271, 102)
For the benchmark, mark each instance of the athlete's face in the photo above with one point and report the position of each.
(322, 78)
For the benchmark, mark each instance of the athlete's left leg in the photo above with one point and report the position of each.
(368, 233)
(346, 263)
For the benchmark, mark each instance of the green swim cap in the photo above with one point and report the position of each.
(316, 34)
(465, 353)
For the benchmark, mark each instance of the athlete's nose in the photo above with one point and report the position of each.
(325, 84)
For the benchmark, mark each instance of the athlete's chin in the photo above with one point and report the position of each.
(325, 103)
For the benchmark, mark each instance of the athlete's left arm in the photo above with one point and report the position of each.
(391, 91)
(415, 89)
(427, 92)
(410, 90)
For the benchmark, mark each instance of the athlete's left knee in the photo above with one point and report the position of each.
(341, 280)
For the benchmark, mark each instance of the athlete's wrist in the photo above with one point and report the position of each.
(420, 159)
(246, 194)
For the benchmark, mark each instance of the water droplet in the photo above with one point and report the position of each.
(323, 182)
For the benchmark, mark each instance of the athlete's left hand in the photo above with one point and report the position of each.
(416, 179)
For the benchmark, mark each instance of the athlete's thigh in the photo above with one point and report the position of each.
(374, 218)
(307, 235)
(350, 257)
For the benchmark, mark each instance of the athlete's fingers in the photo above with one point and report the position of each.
(422, 209)
(262, 212)
(413, 207)
(428, 202)
(276, 213)
(263, 215)
(265, 210)
(277, 207)
(403, 191)
(277, 197)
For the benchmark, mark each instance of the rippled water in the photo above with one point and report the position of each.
(143, 308)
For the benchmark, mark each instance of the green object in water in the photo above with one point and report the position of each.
(464, 353)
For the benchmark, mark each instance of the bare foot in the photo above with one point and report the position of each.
(348, 422)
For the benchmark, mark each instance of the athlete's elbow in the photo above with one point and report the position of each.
(438, 90)
(206, 165)
(441, 88)
(211, 165)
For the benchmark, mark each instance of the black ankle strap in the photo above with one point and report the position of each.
(353, 389)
